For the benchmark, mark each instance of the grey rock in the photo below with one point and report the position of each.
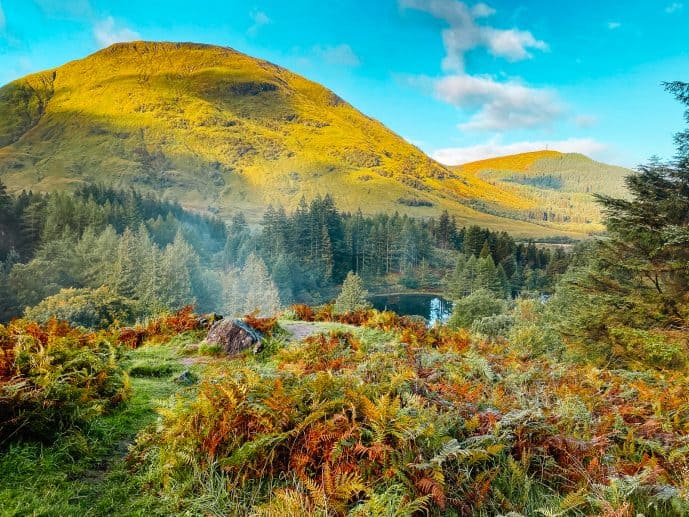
(234, 336)
(186, 378)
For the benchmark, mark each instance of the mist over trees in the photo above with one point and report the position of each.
(152, 255)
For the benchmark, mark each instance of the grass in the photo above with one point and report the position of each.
(197, 123)
(84, 472)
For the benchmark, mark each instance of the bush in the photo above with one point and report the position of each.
(302, 312)
(653, 348)
(532, 332)
(479, 304)
(54, 377)
(160, 329)
(493, 327)
(90, 308)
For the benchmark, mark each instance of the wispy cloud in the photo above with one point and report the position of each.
(460, 155)
(496, 105)
(341, 55)
(614, 25)
(3, 20)
(674, 7)
(499, 106)
(585, 121)
(482, 11)
(107, 32)
(260, 19)
(465, 34)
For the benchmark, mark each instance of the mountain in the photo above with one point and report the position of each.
(221, 131)
(556, 188)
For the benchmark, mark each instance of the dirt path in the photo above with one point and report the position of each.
(301, 330)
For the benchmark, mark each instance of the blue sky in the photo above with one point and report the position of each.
(461, 80)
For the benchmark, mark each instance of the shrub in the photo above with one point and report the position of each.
(303, 312)
(493, 327)
(160, 329)
(91, 308)
(532, 332)
(54, 377)
(479, 304)
(266, 326)
(653, 348)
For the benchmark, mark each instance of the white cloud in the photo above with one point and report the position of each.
(3, 21)
(614, 25)
(107, 32)
(499, 106)
(482, 11)
(585, 121)
(464, 34)
(342, 55)
(674, 7)
(260, 19)
(460, 155)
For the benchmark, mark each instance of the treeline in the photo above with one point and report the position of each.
(141, 254)
(310, 250)
(495, 261)
(147, 252)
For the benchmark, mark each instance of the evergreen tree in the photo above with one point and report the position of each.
(473, 240)
(353, 296)
(261, 292)
(485, 251)
(126, 272)
(176, 264)
(629, 298)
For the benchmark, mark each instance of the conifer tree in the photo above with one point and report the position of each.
(176, 275)
(353, 295)
(637, 281)
(261, 292)
(126, 272)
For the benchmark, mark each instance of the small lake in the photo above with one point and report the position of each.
(432, 307)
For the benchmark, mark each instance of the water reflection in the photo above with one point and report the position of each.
(435, 309)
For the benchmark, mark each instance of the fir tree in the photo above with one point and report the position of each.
(261, 292)
(353, 296)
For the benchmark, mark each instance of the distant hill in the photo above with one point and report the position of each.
(222, 131)
(558, 186)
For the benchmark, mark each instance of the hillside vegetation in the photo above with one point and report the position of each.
(216, 129)
(556, 188)
(365, 414)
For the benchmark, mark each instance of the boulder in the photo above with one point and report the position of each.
(186, 378)
(234, 336)
(207, 320)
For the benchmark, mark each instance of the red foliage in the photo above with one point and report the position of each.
(325, 313)
(303, 312)
(181, 321)
(357, 318)
(264, 325)
(159, 329)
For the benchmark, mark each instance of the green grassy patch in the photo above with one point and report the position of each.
(84, 473)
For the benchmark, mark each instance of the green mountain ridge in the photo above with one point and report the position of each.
(222, 131)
